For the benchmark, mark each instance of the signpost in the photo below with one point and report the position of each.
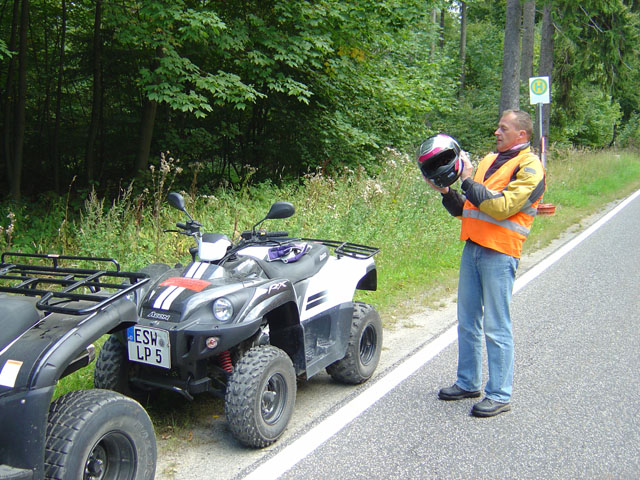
(539, 94)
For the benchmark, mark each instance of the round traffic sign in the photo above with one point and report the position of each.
(539, 86)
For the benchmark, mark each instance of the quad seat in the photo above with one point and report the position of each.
(307, 266)
(17, 316)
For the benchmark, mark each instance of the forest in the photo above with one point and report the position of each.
(95, 93)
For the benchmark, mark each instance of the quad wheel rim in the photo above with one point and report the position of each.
(368, 344)
(112, 457)
(274, 399)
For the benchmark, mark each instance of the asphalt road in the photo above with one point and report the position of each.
(576, 404)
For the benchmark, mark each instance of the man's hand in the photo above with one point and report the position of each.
(467, 172)
(442, 190)
(467, 168)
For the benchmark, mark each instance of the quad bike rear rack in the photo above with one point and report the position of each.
(347, 249)
(66, 289)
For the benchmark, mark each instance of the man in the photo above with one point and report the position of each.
(497, 212)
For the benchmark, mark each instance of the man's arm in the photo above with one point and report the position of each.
(525, 189)
(453, 201)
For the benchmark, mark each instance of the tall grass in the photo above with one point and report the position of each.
(395, 211)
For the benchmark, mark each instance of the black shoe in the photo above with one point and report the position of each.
(489, 408)
(454, 392)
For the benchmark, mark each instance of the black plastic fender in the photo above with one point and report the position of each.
(55, 342)
(272, 302)
(276, 303)
(44, 352)
(23, 416)
(370, 279)
(260, 305)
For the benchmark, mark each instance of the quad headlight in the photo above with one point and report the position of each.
(223, 309)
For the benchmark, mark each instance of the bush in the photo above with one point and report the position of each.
(629, 136)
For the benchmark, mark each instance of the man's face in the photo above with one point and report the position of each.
(507, 134)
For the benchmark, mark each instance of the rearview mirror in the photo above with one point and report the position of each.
(280, 210)
(176, 201)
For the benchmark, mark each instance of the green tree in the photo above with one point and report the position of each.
(164, 37)
(528, 37)
(93, 91)
(598, 49)
(510, 91)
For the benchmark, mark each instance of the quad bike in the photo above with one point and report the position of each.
(245, 320)
(51, 312)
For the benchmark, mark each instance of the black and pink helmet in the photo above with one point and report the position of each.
(439, 160)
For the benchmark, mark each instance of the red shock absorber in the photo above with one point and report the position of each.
(225, 361)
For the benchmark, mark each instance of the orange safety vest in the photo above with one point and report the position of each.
(505, 236)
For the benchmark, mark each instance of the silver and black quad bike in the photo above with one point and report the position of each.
(245, 320)
(51, 311)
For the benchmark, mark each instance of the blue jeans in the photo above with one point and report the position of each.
(484, 294)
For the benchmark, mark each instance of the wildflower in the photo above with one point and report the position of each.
(164, 166)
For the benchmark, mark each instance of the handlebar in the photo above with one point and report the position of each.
(277, 234)
(190, 228)
(260, 234)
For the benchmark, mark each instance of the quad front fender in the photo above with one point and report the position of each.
(44, 352)
(275, 302)
(272, 302)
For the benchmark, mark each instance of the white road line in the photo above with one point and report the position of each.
(315, 437)
(307, 443)
(532, 273)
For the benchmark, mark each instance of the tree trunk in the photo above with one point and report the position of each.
(7, 99)
(528, 31)
(20, 113)
(96, 104)
(434, 20)
(463, 45)
(147, 124)
(546, 64)
(443, 12)
(146, 134)
(55, 155)
(510, 93)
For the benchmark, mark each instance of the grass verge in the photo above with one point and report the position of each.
(395, 211)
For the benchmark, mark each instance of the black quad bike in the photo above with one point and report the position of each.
(245, 320)
(52, 309)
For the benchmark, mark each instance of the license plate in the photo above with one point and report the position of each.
(149, 345)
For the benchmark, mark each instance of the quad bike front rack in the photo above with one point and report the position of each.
(67, 290)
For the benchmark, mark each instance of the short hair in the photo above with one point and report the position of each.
(523, 121)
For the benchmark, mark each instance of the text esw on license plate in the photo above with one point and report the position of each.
(149, 345)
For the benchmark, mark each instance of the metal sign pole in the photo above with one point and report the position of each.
(543, 150)
(539, 94)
